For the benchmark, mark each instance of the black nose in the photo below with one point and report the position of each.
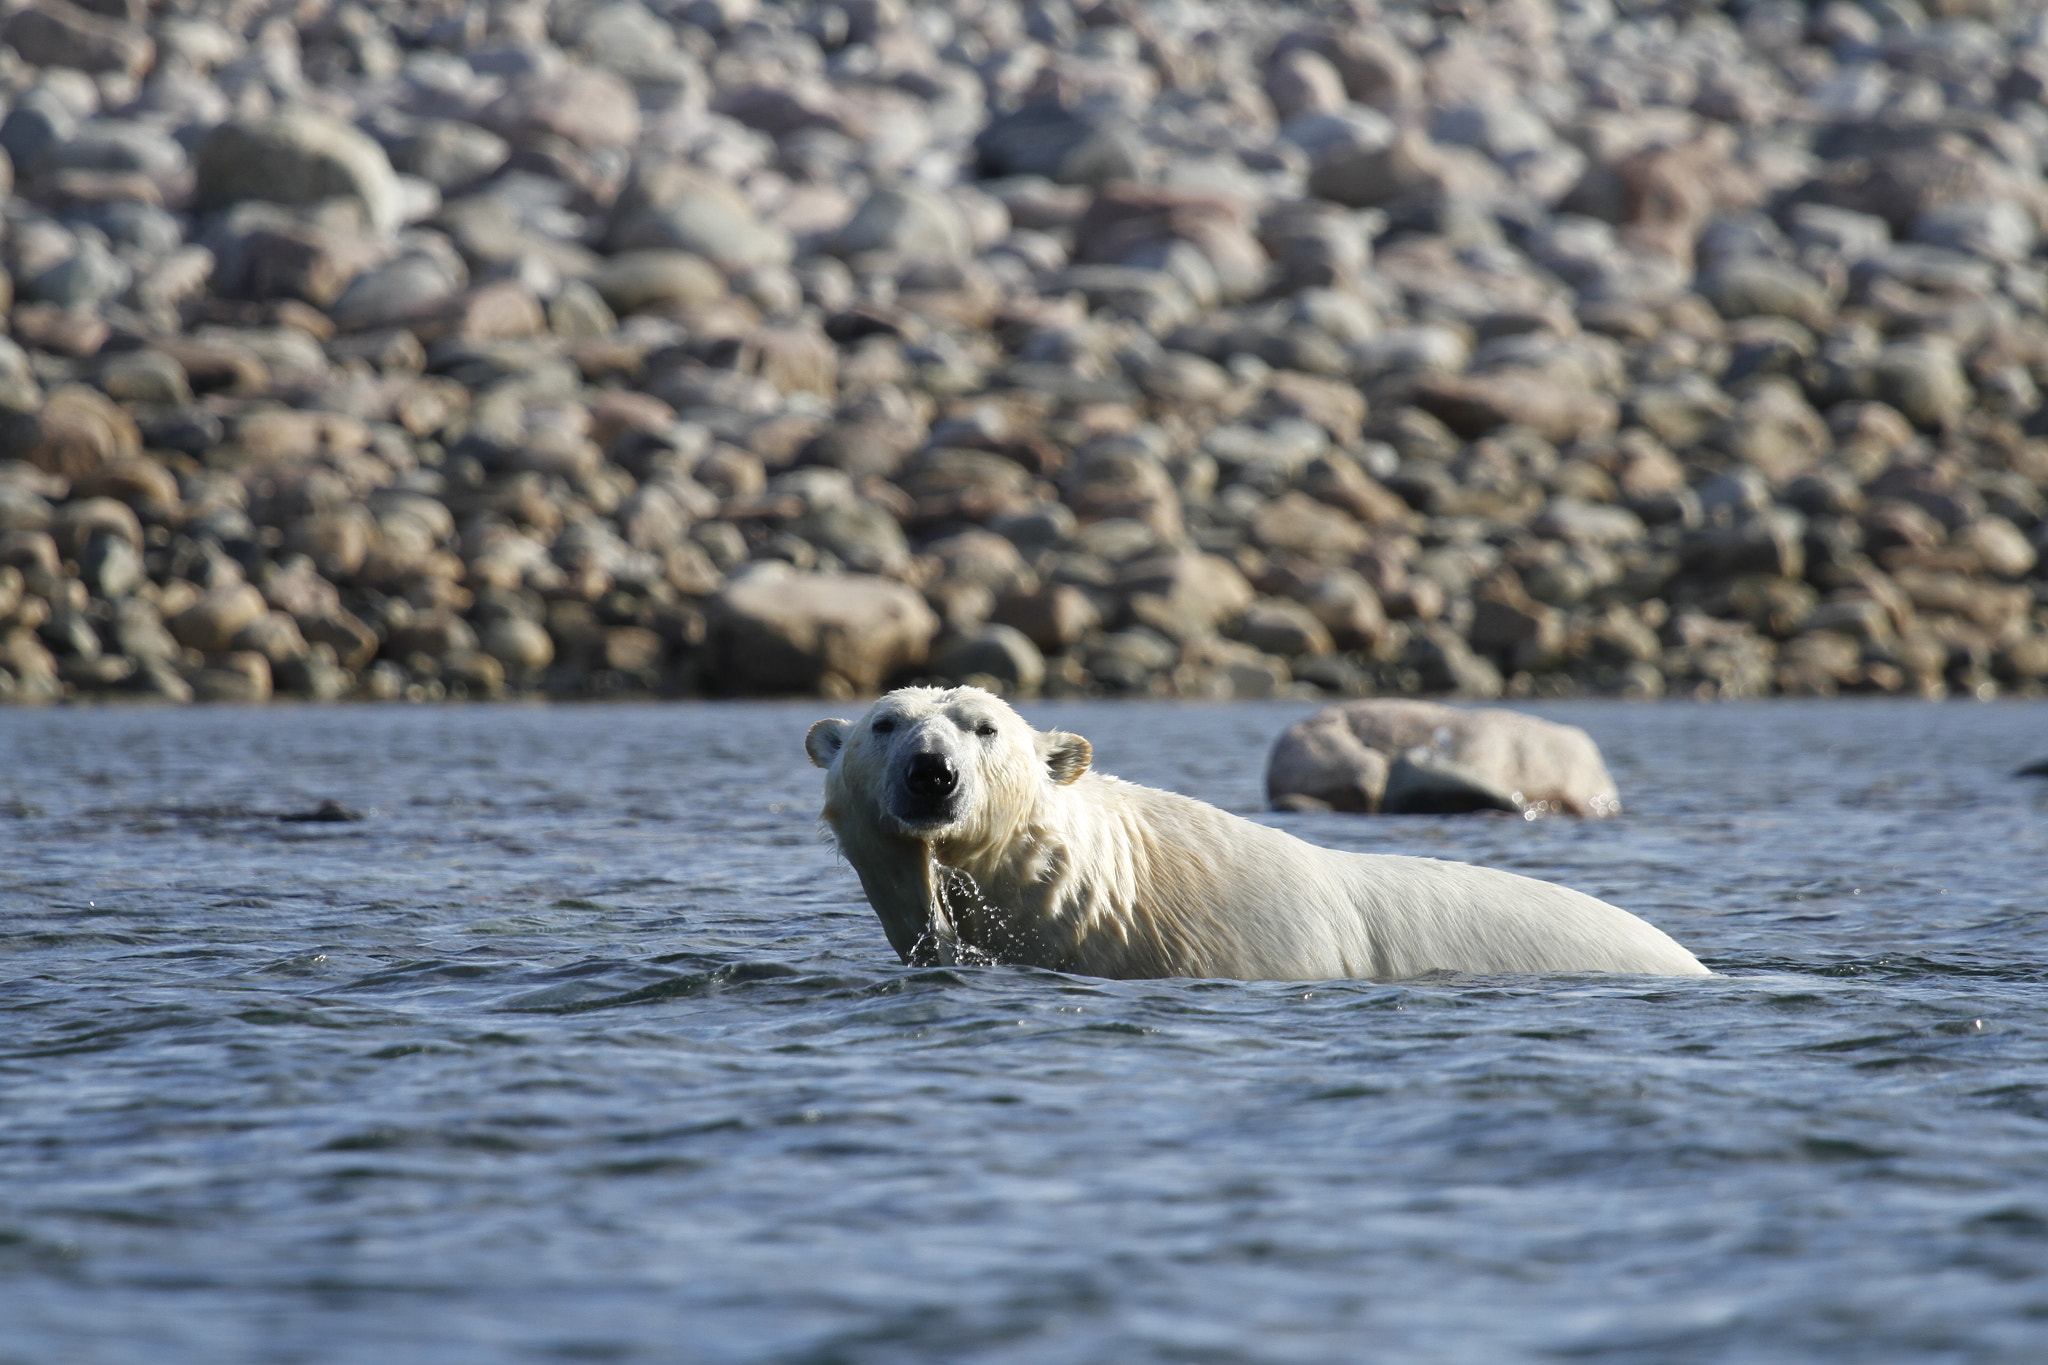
(930, 775)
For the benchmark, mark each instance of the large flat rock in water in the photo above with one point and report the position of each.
(1396, 757)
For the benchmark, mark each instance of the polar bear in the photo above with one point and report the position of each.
(979, 839)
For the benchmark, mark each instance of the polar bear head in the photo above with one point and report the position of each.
(940, 765)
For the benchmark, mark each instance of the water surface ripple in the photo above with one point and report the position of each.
(581, 1045)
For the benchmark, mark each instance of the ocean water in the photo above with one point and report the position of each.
(581, 1045)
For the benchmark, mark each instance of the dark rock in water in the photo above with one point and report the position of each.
(326, 813)
(2039, 769)
(1423, 783)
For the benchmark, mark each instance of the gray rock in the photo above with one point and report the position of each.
(36, 124)
(1060, 144)
(1344, 756)
(85, 281)
(668, 206)
(586, 106)
(393, 292)
(297, 157)
(58, 33)
(522, 645)
(919, 224)
(1001, 652)
(1753, 285)
(111, 566)
(211, 624)
(1421, 782)
(449, 153)
(776, 630)
(1997, 229)
(635, 280)
(1445, 663)
(1923, 378)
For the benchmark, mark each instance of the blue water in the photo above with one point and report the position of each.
(582, 1045)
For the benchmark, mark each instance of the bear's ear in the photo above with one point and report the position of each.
(1066, 756)
(824, 741)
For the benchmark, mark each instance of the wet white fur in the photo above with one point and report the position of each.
(1089, 874)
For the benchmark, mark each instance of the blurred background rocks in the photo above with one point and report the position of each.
(635, 347)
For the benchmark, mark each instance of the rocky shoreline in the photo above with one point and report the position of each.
(458, 350)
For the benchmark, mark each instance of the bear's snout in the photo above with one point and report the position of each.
(928, 789)
(931, 776)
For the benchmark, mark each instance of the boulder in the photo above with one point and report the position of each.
(1345, 758)
(773, 629)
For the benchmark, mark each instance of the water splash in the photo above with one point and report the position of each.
(949, 892)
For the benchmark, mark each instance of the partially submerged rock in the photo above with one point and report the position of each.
(1392, 757)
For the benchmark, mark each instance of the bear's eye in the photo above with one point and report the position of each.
(883, 726)
(985, 729)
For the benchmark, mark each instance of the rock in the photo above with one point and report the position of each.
(276, 637)
(2000, 546)
(1517, 631)
(1422, 782)
(57, 33)
(297, 157)
(1753, 286)
(918, 224)
(1473, 405)
(1444, 662)
(240, 678)
(137, 632)
(776, 630)
(671, 207)
(996, 651)
(77, 432)
(1770, 542)
(1062, 145)
(211, 624)
(1344, 756)
(522, 645)
(1054, 618)
(635, 280)
(1407, 169)
(1285, 628)
(353, 641)
(1298, 524)
(1299, 81)
(1923, 379)
(1587, 523)
(88, 279)
(1183, 594)
(585, 106)
(111, 566)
